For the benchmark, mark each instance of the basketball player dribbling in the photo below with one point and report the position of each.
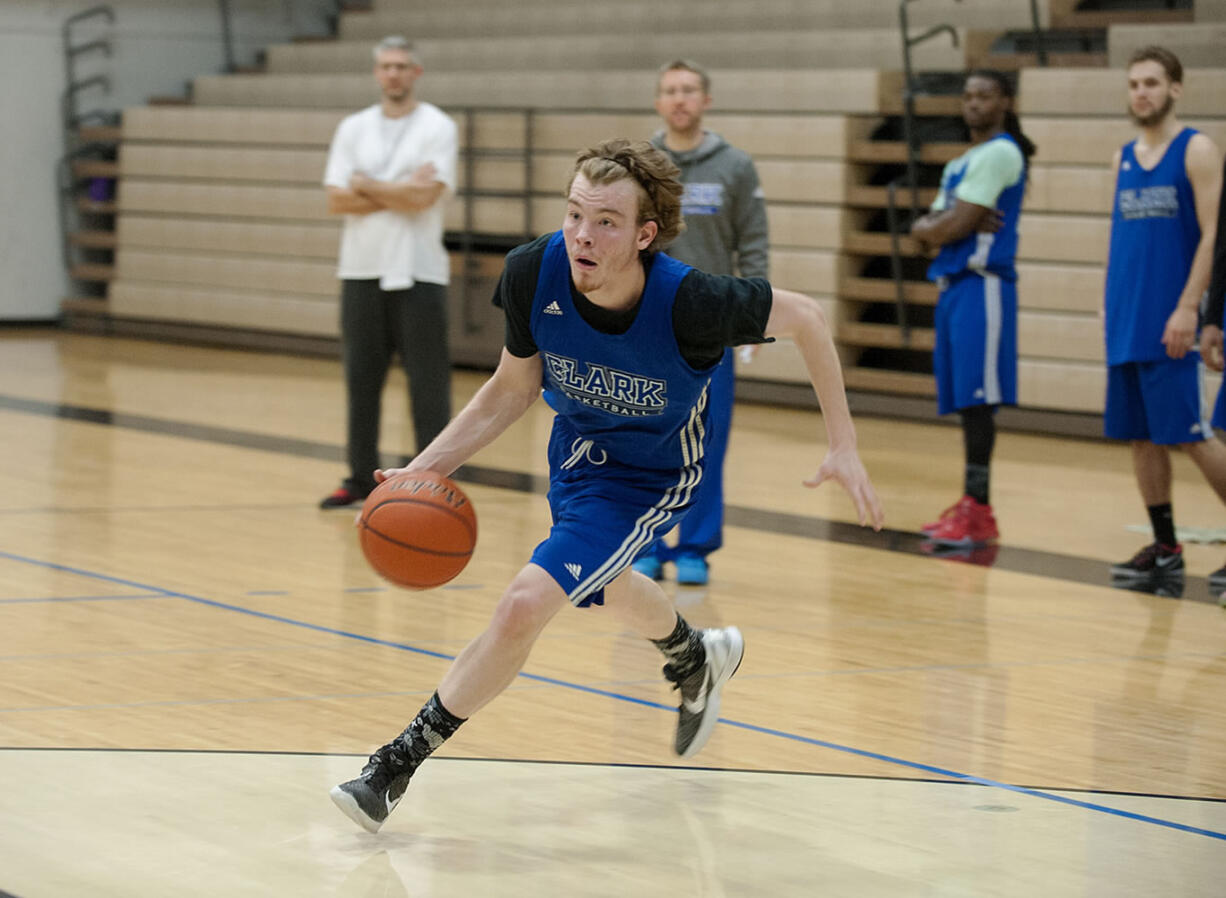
(1162, 229)
(622, 340)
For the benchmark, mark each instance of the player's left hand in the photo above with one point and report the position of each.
(992, 222)
(1179, 337)
(845, 468)
(1211, 347)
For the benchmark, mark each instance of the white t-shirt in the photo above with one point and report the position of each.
(398, 248)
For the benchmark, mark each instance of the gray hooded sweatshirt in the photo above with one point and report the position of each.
(724, 209)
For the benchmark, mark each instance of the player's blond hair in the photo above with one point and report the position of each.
(651, 170)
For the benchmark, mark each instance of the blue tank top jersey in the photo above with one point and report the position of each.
(1154, 235)
(976, 252)
(631, 394)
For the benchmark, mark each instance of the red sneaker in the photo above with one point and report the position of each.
(972, 525)
(341, 497)
(948, 513)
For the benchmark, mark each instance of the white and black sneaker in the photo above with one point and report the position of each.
(1155, 560)
(700, 690)
(1217, 581)
(368, 799)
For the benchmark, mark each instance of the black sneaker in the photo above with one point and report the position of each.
(342, 497)
(368, 799)
(700, 690)
(1155, 560)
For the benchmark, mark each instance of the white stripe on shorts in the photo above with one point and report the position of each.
(649, 523)
(992, 314)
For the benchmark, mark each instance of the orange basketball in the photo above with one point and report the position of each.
(418, 530)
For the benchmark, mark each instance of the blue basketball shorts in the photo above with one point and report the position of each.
(975, 355)
(605, 514)
(1162, 401)
(1219, 408)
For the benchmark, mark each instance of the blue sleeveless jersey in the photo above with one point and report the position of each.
(1154, 235)
(631, 394)
(994, 253)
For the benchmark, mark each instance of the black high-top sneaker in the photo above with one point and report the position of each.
(368, 799)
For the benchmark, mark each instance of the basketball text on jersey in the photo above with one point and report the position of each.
(702, 199)
(1160, 201)
(600, 386)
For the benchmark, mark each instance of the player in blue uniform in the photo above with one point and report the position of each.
(1211, 334)
(974, 221)
(622, 340)
(1162, 230)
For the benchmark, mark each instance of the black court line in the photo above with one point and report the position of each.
(1053, 565)
(814, 774)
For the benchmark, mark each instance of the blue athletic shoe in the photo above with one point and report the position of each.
(650, 566)
(692, 570)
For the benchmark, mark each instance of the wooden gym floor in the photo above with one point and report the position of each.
(191, 654)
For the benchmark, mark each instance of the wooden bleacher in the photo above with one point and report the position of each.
(222, 222)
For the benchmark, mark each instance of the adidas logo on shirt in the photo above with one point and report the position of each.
(553, 308)
(574, 569)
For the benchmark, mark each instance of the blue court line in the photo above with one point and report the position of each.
(26, 601)
(617, 696)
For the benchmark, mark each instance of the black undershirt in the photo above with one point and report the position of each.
(710, 312)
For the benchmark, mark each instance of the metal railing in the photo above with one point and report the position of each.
(73, 86)
(332, 9)
(911, 177)
(1039, 45)
(72, 118)
(472, 194)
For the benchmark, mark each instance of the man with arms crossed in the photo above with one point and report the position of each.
(1162, 229)
(622, 340)
(974, 221)
(388, 170)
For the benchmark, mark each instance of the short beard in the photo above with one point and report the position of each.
(1156, 117)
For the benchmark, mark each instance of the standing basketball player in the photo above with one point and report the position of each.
(725, 232)
(1211, 333)
(974, 221)
(1162, 231)
(622, 339)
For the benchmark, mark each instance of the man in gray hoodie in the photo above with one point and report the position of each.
(725, 233)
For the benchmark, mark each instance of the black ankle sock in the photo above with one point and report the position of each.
(977, 479)
(432, 726)
(1163, 521)
(979, 439)
(683, 648)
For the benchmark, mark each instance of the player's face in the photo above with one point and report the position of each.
(1151, 94)
(603, 238)
(983, 104)
(680, 100)
(395, 71)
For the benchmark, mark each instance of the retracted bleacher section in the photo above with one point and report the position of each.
(222, 223)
